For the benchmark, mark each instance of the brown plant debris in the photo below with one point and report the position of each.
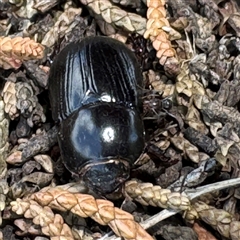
(102, 211)
(219, 219)
(10, 99)
(202, 233)
(178, 232)
(193, 178)
(158, 30)
(147, 194)
(116, 16)
(4, 132)
(189, 150)
(52, 224)
(29, 184)
(40, 143)
(160, 83)
(192, 194)
(15, 50)
(130, 3)
(191, 114)
(44, 5)
(26, 227)
(64, 24)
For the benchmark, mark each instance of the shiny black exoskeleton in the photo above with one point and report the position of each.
(94, 88)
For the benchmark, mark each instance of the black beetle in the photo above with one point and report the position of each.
(95, 93)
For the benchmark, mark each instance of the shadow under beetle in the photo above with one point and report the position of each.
(95, 93)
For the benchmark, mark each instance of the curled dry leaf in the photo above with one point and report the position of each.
(106, 28)
(39, 178)
(29, 167)
(15, 158)
(37, 116)
(227, 137)
(45, 161)
(230, 12)
(80, 31)
(193, 119)
(37, 30)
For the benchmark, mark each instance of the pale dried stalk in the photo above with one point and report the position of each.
(102, 211)
(4, 132)
(52, 224)
(192, 194)
(14, 50)
(156, 27)
(116, 16)
(147, 194)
